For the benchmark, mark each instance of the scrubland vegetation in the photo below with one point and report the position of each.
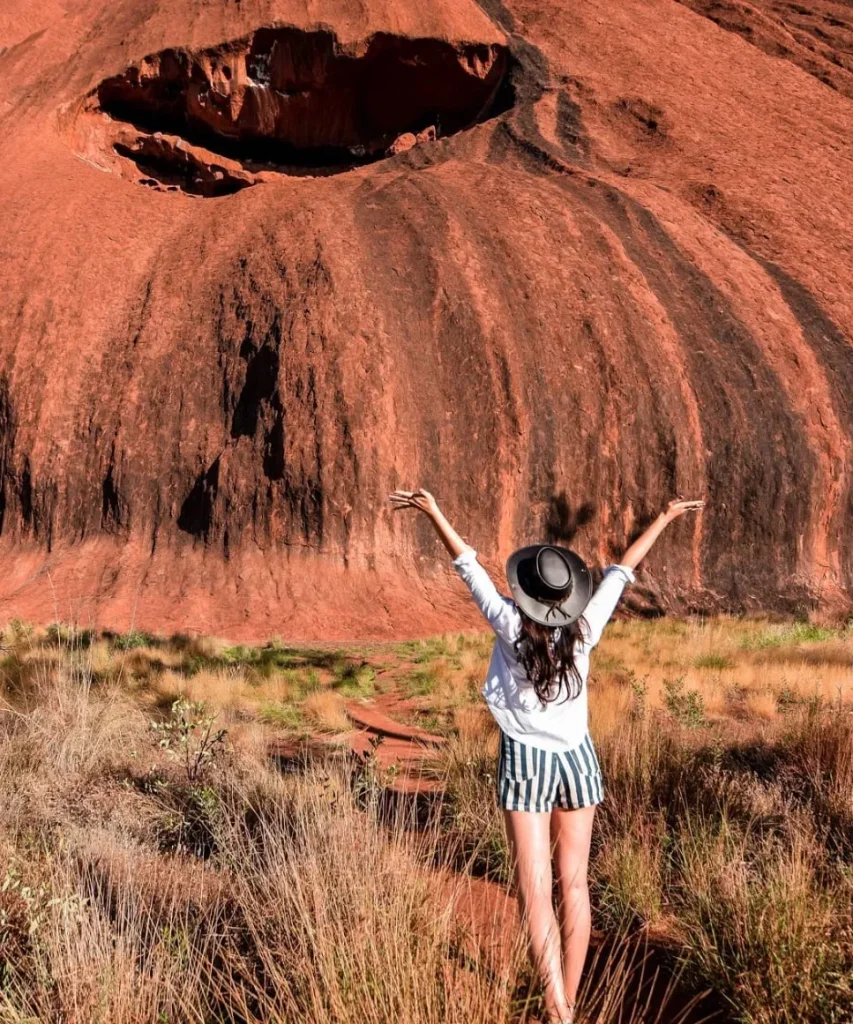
(157, 866)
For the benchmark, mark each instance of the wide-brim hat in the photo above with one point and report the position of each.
(550, 584)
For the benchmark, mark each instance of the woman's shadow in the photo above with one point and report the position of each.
(563, 521)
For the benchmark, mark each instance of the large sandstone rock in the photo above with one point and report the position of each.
(229, 325)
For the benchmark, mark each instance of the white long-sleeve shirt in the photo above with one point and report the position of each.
(557, 725)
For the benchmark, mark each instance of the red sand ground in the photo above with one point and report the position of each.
(629, 278)
(395, 744)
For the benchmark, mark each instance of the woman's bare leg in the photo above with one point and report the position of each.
(530, 848)
(571, 832)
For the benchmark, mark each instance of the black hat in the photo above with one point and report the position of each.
(550, 584)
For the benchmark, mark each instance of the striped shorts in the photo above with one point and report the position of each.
(530, 779)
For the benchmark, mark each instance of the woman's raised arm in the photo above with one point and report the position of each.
(606, 597)
(425, 502)
(498, 611)
(644, 543)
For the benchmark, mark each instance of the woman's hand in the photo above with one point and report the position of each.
(421, 500)
(643, 544)
(678, 507)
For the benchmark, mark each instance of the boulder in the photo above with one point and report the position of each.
(402, 143)
(230, 326)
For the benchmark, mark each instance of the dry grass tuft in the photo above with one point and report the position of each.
(326, 710)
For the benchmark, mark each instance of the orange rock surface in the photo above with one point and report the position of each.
(230, 324)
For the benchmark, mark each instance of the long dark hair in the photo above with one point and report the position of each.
(548, 656)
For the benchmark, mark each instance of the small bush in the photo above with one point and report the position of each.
(687, 707)
(301, 682)
(473, 826)
(421, 682)
(192, 820)
(18, 633)
(272, 658)
(639, 697)
(69, 635)
(713, 661)
(354, 680)
(189, 737)
(285, 715)
(428, 649)
(134, 638)
(326, 710)
(760, 925)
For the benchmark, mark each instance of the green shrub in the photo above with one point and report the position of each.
(687, 707)
(639, 696)
(629, 877)
(285, 715)
(713, 661)
(268, 660)
(300, 681)
(354, 680)
(134, 638)
(191, 823)
(19, 632)
(189, 737)
(421, 682)
(762, 926)
(69, 635)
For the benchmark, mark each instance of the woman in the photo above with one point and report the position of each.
(548, 776)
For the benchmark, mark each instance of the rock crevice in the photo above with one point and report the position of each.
(286, 100)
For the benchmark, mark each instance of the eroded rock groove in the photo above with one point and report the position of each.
(284, 100)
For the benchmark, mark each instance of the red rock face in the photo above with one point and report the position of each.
(817, 38)
(618, 268)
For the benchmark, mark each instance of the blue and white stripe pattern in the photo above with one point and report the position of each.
(530, 779)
